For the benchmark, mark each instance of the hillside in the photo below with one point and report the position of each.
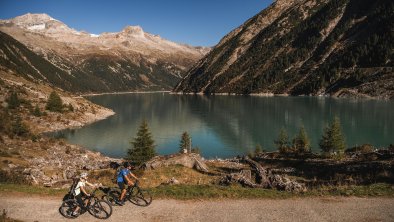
(123, 61)
(308, 47)
(26, 154)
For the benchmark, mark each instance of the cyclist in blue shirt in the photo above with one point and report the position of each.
(123, 179)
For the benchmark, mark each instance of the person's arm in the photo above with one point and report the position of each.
(84, 191)
(90, 184)
(134, 176)
(128, 180)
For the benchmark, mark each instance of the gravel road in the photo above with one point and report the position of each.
(298, 209)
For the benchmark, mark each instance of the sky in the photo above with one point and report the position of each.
(194, 22)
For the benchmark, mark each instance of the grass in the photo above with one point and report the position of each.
(9, 188)
(190, 192)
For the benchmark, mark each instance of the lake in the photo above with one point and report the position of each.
(226, 126)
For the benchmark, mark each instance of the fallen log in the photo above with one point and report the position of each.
(264, 179)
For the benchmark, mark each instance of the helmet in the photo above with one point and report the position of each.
(84, 175)
(127, 164)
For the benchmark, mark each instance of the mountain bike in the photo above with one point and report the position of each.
(98, 208)
(135, 194)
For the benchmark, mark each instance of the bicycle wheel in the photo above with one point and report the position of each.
(140, 197)
(112, 197)
(100, 209)
(68, 207)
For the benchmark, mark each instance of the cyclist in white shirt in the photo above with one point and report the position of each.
(80, 191)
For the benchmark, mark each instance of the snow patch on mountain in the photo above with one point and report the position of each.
(37, 27)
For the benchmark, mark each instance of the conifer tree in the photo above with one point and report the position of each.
(301, 142)
(332, 139)
(37, 112)
(282, 142)
(13, 101)
(143, 146)
(54, 103)
(185, 142)
(19, 128)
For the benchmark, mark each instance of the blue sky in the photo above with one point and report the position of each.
(195, 22)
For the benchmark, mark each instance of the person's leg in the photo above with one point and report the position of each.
(122, 195)
(80, 204)
(123, 192)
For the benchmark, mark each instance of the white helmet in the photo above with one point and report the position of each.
(84, 175)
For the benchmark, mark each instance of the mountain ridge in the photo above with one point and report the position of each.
(309, 47)
(123, 61)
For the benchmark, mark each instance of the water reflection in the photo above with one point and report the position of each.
(224, 126)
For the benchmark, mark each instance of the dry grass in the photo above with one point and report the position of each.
(154, 178)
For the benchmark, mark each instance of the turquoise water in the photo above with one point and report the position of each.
(226, 126)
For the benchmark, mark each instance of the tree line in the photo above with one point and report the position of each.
(332, 143)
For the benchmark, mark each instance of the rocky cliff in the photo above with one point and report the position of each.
(308, 47)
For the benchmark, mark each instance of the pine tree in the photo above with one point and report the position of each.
(332, 139)
(37, 112)
(143, 146)
(19, 128)
(13, 101)
(282, 142)
(54, 103)
(185, 143)
(301, 142)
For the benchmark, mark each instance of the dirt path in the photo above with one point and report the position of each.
(305, 209)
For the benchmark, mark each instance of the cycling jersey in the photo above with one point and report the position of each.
(124, 172)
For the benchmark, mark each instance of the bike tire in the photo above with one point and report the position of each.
(67, 208)
(100, 209)
(140, 197)
(112, 197)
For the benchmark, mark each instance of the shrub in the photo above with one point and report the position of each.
(365, 148)
(70, 107)
(196, 150)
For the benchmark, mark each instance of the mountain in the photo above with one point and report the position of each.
(127, 60)
(304, 47)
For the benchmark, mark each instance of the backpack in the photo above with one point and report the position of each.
(118, 171)
(70, 193)
(73, 186)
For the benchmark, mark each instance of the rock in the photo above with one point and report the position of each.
(191, 160)
(11, 166)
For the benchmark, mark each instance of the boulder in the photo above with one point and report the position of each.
(191, 160)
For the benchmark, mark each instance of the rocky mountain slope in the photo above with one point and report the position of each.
(28, 156)
(308, 47)
(128, 60)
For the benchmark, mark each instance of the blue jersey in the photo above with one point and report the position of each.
(122, 174)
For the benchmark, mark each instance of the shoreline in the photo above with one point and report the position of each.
(120, 93)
